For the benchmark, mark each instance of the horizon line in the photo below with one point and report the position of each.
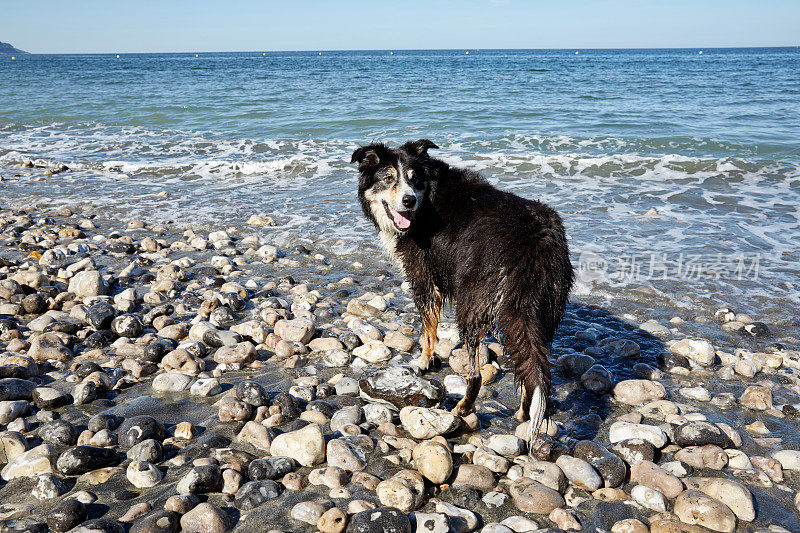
(264, 51)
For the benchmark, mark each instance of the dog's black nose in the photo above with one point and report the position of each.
(409, 200)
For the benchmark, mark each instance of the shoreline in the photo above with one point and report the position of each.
(249, 289)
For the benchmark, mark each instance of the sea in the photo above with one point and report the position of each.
(677, 171)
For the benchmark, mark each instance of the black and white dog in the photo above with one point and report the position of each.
(501, 259)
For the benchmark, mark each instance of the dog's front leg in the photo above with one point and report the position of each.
(429, 304)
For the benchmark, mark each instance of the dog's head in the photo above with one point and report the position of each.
(393, 183)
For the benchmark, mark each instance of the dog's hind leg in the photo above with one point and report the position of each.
(524, 406)
(429, 305)
(467, 403)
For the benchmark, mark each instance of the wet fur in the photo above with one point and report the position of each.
(501, 259)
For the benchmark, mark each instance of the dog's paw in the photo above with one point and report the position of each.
(420, 365)
(521, 415)
(462, 410)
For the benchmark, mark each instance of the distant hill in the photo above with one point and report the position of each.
(6, 48)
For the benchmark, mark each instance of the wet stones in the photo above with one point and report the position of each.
(374, 351)
(234, 410)
(82, 459)
(756, 398)
(380, 520)
(66, 515)
(143, 474)
(349, 453)
(49, 398)
(698, 351)
(695, 507)
(580, 473)
(205, 518)
(311, 511)
(533, 497)
(425, 423)
(699, 433)
(39, 460)
(611, 468)
(297, 330)
(405, 491)
(241, 353)
(139, 428)
(16, 389)
(100, 315)
(270, 468)
(708, 456)
(598, 379)
(626, 430)
(251, 393)
(88, 283)
(649, 498)
(638, 391)
(149, 450)
(433, 460)
(255, 493)
(200, 480)
(506, 445)
(306, 445)
(477, 476)
(729, 492)
(399, 387)
(49, 347)
(634, 450)
(129, 326)
(651, 475)
(58, 433)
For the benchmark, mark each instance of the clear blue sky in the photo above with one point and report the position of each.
(48, 26)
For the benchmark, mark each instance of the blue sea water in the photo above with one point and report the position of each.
(708, 144)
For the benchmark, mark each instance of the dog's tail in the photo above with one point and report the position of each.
(530, 358)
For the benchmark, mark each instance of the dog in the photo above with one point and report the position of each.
(502, 260)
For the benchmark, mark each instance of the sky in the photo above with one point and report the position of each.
(48, 26)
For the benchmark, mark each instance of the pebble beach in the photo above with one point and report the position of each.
(163, 377)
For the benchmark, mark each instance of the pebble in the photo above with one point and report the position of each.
(67, 515)
(404, 490)
(306, 445)
(621, 431)
(205, 518)
(756, 398)
(533, 497)
(700, 433)
(733, 494)
(311, 511)
(651, 475)
(611, 468)
(433, 460)
(698, 351)
(398, 387)
(580, 473)
(380, 520)
(695, 507)
(142, 474)
(649, 498)
(82, 459)
(426, 423)
(638, 391)
(332, 521)
(708, 456)
(255, 493)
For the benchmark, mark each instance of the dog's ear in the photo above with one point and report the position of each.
(418, 148)
(366, 157)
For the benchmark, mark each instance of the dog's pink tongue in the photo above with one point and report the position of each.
(400, 220)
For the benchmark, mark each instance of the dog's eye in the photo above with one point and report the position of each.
(388, 179)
